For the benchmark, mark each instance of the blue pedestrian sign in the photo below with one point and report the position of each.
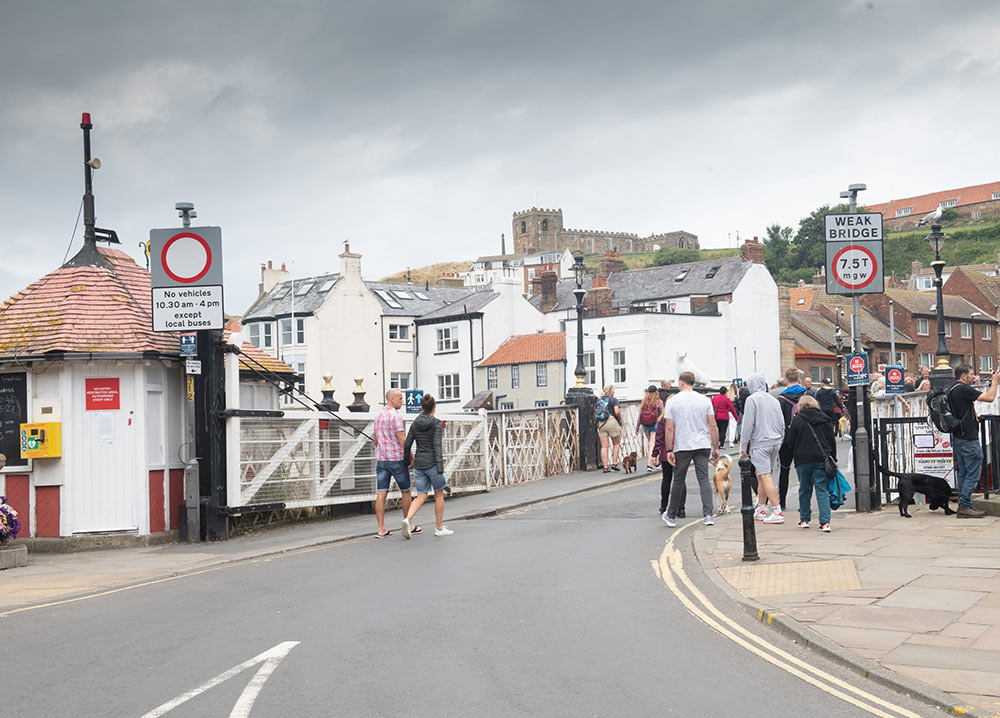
(894, 380)
(857, 369)
(189, 344)
(413, 399)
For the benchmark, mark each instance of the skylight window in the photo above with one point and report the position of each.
(388, 299)
(680, 277)
(421, 295)
(281, 293)
(400, 294)
(327, 286)
(712, 272)
(303, 289)
(802, 300)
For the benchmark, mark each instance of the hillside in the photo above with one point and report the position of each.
(641, 261)
(967, 244)
(430, 273)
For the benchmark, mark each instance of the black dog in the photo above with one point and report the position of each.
(936, 489)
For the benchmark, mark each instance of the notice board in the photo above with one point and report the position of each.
(13, 413)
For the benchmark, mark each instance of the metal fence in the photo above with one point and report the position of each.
(312, 459)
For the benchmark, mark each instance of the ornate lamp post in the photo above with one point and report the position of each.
(579, 293)
(941, 376)
(838, 337)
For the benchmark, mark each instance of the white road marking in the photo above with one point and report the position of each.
(270, 658)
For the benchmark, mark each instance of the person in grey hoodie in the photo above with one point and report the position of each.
(428, 466)
(761, 437)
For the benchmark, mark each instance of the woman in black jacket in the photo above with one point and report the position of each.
(809, 439)
(427, 464)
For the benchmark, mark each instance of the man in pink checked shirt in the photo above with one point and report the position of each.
(389, 464)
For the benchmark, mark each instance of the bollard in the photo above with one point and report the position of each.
(746, 511)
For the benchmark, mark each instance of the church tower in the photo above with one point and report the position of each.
(536, 230)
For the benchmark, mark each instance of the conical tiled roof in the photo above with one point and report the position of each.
(84, 309)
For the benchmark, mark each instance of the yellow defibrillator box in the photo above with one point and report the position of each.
(41, 440)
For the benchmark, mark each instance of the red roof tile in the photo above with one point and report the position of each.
(802, 297)
(529, 348)
(253, 357)
(84, 309)
(922, 204)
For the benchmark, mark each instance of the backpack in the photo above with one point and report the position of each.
(648, 414)
(939, 407)
(795, 407)
(601, 410)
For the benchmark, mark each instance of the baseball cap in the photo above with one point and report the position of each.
(651, 388)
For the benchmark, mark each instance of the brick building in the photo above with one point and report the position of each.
(541, 230)
(915, 315)
(969, 202)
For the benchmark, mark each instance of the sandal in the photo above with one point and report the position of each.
(416, 530)
(387, 533)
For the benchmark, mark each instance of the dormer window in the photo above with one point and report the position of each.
(903, 212)
(949, 203)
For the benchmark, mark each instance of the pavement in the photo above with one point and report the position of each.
(914, 603)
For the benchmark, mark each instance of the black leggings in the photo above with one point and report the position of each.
(723, 425)
(668, 477)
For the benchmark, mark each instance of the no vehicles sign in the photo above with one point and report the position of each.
(854, 254)
(186, 273)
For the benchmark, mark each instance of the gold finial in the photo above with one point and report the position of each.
(327, 386)
(357, 383)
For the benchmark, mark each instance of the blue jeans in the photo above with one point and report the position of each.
(968, 462)
(813, 475)
(387, 470)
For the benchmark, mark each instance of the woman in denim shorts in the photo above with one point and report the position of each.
(428, 466)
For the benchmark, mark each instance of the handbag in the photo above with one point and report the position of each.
(829, 465)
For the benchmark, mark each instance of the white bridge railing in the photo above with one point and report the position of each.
(310, 458)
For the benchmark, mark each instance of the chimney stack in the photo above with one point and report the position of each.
(548, 282)
(752, 251)
(598, 302)
(611, 262)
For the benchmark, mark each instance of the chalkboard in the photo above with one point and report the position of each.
(13, 413)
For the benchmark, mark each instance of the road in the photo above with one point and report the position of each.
(557, 609)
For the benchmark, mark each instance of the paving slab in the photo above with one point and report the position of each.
(989, 640)
(863, 637)
(881, 617)
(942, 599)
(960, 659)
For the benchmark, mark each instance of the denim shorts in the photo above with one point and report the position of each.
(648, 429)
(425, 478)
(386, 470)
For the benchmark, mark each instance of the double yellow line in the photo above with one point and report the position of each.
(670, 568)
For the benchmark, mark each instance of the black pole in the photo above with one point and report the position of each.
(210, 434)
(602, 336)
(941, 376)
(89, 218)
(746, 511)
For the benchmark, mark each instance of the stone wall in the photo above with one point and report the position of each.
(542, 230)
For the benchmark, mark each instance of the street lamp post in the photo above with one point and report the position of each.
(972, 325)
(580, 394)
(941, 376)
(838, 337)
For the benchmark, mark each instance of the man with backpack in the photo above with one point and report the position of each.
(789, 400)
(964, 429)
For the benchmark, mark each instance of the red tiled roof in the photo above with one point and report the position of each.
(84, 309)
(922, 204)
(807, 293)
(529, 348)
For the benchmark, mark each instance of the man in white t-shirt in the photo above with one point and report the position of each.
(692, 435)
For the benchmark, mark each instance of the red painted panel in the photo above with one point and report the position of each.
(18, 488)
(47, 511)
(176, 495)
(102, 394)
(156, 501)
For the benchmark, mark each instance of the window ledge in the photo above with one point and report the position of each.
(450, 351)
(448, 401)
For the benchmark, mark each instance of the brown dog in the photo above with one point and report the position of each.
(722, 483)
(629, 463)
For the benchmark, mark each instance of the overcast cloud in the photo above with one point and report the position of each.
(415, 129)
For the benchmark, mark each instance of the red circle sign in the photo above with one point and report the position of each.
(186, 278)
(895, 376)
(854, 267)
(857, 364)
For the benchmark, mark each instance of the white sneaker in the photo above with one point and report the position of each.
(709, 521)
(443, 531)
(776, 517)
(759, 513)
(803, 524)
(669, 521)
(406, 528)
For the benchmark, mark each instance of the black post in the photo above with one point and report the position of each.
(89, 219)
(746, 511)
(210, 433)
(580, 394)
(942, 375)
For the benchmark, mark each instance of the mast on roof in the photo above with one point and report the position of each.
(88, 256)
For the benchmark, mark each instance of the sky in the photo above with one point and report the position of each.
(415, 130)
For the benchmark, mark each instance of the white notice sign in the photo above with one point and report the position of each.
(192, 366)
(187, 309)
(853, 227)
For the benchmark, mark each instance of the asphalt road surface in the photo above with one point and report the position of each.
(550, 610)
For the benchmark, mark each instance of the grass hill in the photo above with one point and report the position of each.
(976, 243)
(641, 261)
(430, 273)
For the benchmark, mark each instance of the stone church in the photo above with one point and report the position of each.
(541, 230)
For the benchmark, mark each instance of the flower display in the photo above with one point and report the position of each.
(9, 525)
